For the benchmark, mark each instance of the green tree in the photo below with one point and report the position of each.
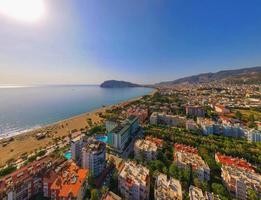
(95, 194)
(252, 194)
(238, 115)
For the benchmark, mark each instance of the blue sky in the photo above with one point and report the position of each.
(144, 41)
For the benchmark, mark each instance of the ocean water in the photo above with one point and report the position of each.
(26, 108)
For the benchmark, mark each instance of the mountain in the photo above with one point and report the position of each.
(237, 76)
(118, 84)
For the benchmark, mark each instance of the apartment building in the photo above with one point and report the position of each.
(141, 113)
(253, 135)
(239, 176)
(70, 184)
(147, 148)
(191, 125)
(185, 156)
(196, 193)
(134, 181)
(110, 196)
(25, 182)
(94, 157)
(221, 109)
(165, 119)
(167, 189)
(195, 111)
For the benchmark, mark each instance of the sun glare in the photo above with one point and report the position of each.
(23, 10)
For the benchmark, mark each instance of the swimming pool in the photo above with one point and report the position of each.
(68, 155)
(102, 138)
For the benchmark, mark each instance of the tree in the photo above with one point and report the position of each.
(238, 115)
(252, 194)
(95, 194)
(218, 189)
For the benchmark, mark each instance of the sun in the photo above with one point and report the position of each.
(23, 10)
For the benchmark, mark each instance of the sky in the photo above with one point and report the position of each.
(143, 41)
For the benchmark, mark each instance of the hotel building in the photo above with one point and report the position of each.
(134, 181)
(120, 134)
(167, 189)
(94, 157)
(185, 156)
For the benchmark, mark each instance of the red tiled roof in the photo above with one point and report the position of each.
(185, 148)
(237, 162)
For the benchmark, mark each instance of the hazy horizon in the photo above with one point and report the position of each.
(47, 42)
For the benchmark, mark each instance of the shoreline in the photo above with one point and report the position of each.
(39, 127)
(25, 142)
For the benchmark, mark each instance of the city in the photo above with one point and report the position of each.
(191, 142)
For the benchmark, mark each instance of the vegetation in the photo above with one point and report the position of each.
(7, 170)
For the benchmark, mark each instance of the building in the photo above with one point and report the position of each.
(94, 157)
(239, 176)
(196, 193)
(120, 134)
(25, 182)
(70, 184)
(141, 113)
(221, 109)
(253, 135)
(134, 181)
(110, 196)
(195, 111)
(147, 148)
(191, 125)
(76, 147)
(210, 127)
(165, 119)
(186, 156)
(167, 189)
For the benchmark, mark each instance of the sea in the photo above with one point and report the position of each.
(24, 108)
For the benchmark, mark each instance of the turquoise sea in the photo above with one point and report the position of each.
(25, 108)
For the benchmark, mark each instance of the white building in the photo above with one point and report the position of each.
(253, 135)
(94, 157)
(165, 119)
(167, 189)
(76, 147)
(147, 148)
(134, 181)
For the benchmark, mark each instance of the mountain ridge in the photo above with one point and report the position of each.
(242, 75)
(118, 84)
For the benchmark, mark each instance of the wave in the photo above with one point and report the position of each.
(15, 132)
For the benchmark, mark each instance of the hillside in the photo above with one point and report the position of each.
(118, 84)
(245, 75)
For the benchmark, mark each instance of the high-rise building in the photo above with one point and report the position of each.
(76, 147)
(119, 135)
(94, 157)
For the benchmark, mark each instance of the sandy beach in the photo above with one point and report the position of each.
(27, 143)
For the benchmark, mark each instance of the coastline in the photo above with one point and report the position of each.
(25, 142)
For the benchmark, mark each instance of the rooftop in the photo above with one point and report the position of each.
(70, 181)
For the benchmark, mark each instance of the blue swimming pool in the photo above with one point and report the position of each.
(68, 155)
(102, 138)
